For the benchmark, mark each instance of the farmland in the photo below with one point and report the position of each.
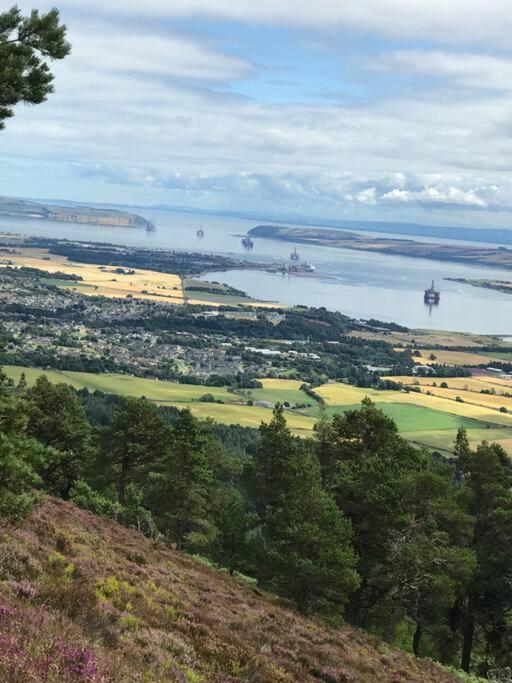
(430, 420)
(446, 357)
(231, 411)
(101, 280)
(118, 282)
(427, 420)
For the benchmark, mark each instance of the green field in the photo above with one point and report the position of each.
(125, 385)
(410, 418)
(443, 440)
(291, 396)
(424, 426)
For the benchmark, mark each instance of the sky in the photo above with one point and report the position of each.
(395, 110)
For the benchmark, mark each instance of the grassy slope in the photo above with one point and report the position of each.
(140, 611)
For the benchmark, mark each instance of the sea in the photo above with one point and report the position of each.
(360, 284)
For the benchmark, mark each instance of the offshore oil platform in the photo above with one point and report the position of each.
(200, 232)
(294, 255)
(432, 295)
(247, 242)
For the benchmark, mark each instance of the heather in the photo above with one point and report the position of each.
(85, 599)
(354, 526)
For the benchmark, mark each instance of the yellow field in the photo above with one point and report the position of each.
(101, 280)
(475, 383)
(281, 384)
(249, 416)
(252, 302)
(431, 338)
(452, 358)
(343, 394)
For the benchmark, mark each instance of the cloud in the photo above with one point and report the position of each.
(332, 189)
(146, 105)
(138, 52)
(465, 21)
(465, 69)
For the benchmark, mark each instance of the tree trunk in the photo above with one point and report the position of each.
(417, 639)
(467, 644)
(395, 614)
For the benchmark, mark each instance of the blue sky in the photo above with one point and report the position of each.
(371, 109)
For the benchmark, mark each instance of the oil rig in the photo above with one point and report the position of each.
(150, 226)
(200, 232)
(432, 295)
(247, 242)
(294, 255)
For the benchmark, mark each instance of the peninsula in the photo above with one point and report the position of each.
(499, 257)
(21, 208)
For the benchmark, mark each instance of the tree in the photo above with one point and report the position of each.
(135, 441)
(56, 418)
(21, 458)
(487, 482)
(180, 484)
(26, 45)
(231, 545)
(305, 541)
(373, 465)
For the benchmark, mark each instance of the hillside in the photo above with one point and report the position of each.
(84, 599)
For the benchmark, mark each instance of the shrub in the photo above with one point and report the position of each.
(15, 562)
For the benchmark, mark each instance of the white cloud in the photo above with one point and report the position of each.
(466, 21)
(466, 69)
(140, 105)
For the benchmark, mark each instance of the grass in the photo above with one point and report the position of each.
(452, 358)
(124, 385)
(280, 391)
(411, 418)
(179, 395)
(250, 416)
(474, 383)
(343, 394)
(414, 413)
(443, 440)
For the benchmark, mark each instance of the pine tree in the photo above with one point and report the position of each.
(56, 418)
(487, 480)
(181, 483)
(135, 441)
(305, 542)
(26, 45)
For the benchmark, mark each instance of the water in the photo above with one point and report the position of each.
(359, 284)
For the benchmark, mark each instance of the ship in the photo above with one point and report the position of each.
(308, 267)
(432, 295)
(247, 242)
(294, 255)
(200, 232)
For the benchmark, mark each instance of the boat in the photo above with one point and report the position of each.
(294, 255)
(247, 242)
(432, 295)
(308, 267)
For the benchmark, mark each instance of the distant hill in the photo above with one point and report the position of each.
(83, 599)
(21, 208)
